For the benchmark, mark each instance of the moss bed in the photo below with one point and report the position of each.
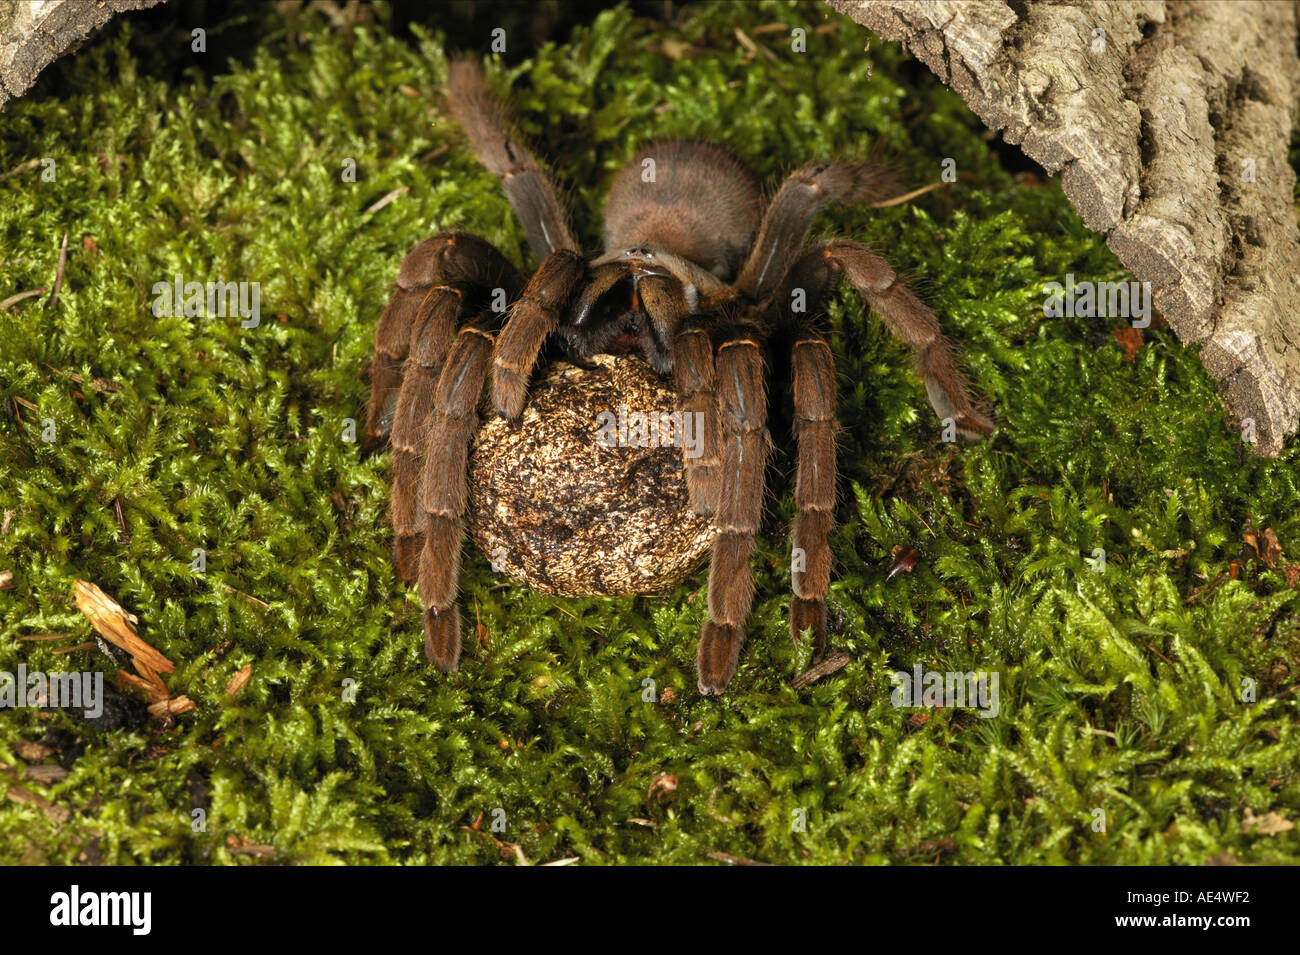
(1121, 691)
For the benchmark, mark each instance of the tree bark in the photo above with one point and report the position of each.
(34, 33)
(1170, 125)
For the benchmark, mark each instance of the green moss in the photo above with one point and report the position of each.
(1120, 690)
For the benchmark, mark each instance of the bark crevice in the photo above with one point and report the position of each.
(1171, 137)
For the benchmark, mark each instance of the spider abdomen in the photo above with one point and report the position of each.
(694, 199)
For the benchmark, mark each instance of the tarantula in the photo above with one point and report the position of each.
(698, 275)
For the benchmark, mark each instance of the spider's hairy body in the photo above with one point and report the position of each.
(700, 277)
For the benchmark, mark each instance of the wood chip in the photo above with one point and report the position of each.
(46, 774)
(728, 858)
(907, 196)
(15, 299)
(239, 680)
(231, 590)
(158, 689)
(117, 626)
(55, 814)
(386, 200)
(832, 662)
(21, 167)
(171, 707)
(32, 751)
(1269, 824)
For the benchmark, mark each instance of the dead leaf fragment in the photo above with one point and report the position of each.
(1129, 339)
(904, 560)
(512, 850)
(1265, 545)
(664, 784)
(245, 847)
(676, 49)
(1269, 824)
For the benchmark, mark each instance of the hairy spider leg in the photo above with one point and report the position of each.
(497, 143)
(412, 342)
(443, 490)
(742, 401)
(906, 317)
(785, 223)
(532, 320)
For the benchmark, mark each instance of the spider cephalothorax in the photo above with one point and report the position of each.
(699, 276)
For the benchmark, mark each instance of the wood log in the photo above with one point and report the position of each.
(34, 33)
(1169, 124)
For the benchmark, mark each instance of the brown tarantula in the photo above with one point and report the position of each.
(698, 275)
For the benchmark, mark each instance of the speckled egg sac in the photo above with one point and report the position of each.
(560, 511)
